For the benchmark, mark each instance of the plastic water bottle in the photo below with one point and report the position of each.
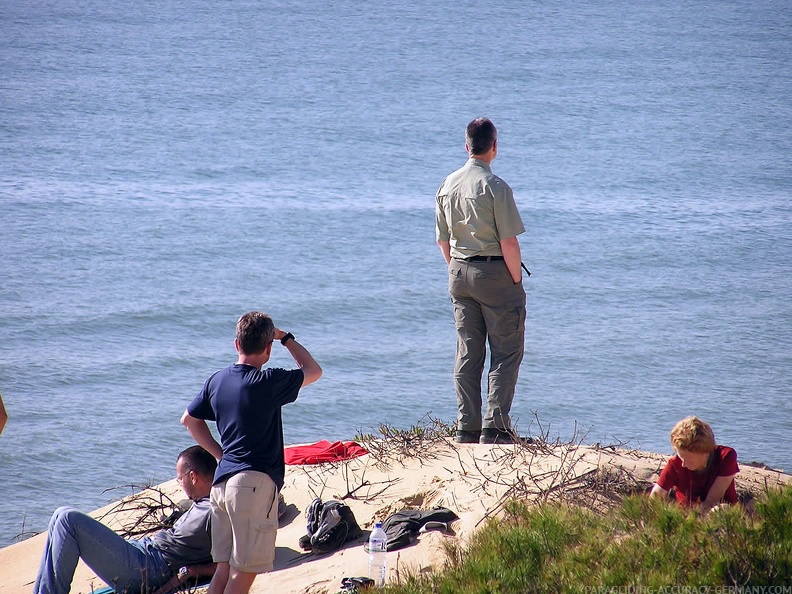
(378, 543)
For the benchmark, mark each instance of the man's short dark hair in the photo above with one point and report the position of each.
(480, 135)
(255, 331)
(199, 461)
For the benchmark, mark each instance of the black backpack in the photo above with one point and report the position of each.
(329, 526)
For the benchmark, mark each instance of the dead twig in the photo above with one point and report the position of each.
(415, 443)
(146, 511)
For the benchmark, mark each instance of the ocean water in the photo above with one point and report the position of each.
(166, 166)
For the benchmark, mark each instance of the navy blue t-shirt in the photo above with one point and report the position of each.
(246, 405)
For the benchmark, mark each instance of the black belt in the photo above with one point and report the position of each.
(490, 258)
(482, 258)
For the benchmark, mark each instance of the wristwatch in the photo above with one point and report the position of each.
(183, 574)
(286, 337)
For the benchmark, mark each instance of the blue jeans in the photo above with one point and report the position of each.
(126, 565)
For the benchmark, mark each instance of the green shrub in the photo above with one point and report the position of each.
(646, 543)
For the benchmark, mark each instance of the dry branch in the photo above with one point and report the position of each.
(146, 511)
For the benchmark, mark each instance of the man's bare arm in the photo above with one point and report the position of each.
(716, 492)
(193, 571)
(510, 248)
(445, 249)
(3, 415)
(201, 434)
(305, 361)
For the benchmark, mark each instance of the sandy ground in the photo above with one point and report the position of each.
(472, 480)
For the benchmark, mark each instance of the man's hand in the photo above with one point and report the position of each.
(170, 586)
(279, 334)
(178, 581)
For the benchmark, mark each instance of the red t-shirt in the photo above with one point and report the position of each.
(692, 487)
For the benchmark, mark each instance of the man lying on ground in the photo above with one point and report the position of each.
(701, 472)
(158, 563)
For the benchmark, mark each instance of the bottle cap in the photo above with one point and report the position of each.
(378, 525)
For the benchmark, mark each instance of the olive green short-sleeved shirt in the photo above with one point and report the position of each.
(475, 210)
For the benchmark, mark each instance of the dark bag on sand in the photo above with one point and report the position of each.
(329, 526)
(403, 526)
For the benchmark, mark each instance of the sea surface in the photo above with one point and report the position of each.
(166, 166)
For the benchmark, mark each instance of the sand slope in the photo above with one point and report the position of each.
(472, 480)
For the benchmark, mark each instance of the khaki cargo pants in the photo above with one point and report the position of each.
(488, 308)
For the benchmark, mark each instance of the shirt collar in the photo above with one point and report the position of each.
(479, 163)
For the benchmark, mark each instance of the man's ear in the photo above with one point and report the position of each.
(236, 345)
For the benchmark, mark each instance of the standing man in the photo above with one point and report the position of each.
(477, 224)
(245, 402)
(160, 563)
